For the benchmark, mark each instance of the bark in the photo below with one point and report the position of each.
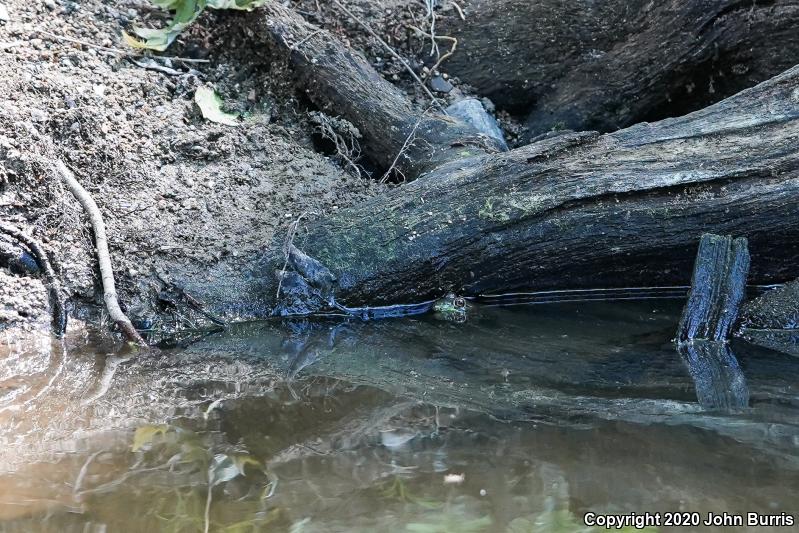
(718, 286)
(605, 65)
(580, 210)
(340, 81)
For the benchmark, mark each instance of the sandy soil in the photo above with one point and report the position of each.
(179, 194)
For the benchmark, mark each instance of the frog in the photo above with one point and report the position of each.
(452, 308)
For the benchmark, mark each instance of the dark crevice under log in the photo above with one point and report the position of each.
(341, 82)
(605, 65)
(581, 210)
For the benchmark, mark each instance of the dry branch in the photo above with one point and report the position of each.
(103, 257)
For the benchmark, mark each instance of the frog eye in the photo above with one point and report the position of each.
(459, 302)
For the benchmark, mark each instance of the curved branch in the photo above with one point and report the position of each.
(103, 257)
(57, 307)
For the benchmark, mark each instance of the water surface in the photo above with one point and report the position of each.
(522, 419)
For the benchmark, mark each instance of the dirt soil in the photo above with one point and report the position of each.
(180, 195)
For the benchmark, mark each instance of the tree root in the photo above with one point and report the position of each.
(103, 257)
(57, 304)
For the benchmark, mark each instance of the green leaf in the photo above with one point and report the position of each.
(210, 105)
(145, 435)
(186, 12)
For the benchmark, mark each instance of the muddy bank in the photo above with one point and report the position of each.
(182, 197)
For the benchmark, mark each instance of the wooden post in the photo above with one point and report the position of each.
(717, 288)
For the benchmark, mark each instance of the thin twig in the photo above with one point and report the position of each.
(441, 58)
(103, 257)
(292, 232)
(117, 51)
(408, 141)
(296, 46)
(460, 11)
(431, 14)
(393, 53)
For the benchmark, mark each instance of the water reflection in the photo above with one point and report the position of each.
(719, 380)
(518, 420)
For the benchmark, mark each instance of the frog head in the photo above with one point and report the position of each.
(451, 308)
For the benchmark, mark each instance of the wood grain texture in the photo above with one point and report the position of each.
(606, 65)
(582, 209)
(342, 83)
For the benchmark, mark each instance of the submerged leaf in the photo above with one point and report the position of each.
(210, 105)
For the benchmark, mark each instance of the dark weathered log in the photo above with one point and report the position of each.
(581, 210)
(341, 81)
(718, 286)
(604, 65)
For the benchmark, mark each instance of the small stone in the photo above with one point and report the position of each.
(50, 4)
(4, 13)
(439, 84)
(75, 126)
(37, 115)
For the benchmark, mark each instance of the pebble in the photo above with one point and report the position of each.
(439, 84)
(4, 13)
(37, 115)
(50, 4)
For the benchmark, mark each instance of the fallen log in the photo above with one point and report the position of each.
(605, 65)
(579, 210)
(340, 81)
(718, 286)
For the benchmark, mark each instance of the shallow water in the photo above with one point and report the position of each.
(522, 419)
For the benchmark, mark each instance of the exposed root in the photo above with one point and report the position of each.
(431, 16)
(117, 51)
(441, 58)
(103, 257)
(57, 305)
(345, 138)
(292, 232)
